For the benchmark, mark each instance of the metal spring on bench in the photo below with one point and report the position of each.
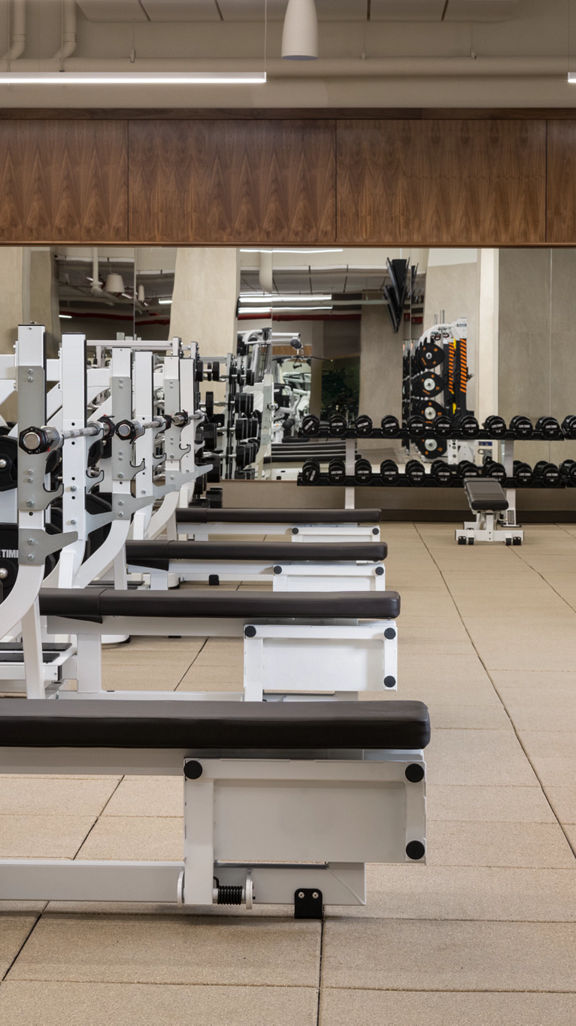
(230, 895)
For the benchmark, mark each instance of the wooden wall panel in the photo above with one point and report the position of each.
(63, 181)
(232, 182)
(440, 182)
(561, 182)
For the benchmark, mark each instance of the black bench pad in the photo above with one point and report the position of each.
(38, 723)
(204, 515)
(159, 553)
(95, 603)
(485, 494)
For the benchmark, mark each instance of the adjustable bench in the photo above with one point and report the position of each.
(317, 643)
(320, 525)
(282, 803)
(487, 499)
(357, 566)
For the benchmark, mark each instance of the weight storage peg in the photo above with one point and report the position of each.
(495, 426)
(389, 472)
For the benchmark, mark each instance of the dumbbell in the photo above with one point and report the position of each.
(494, 469)
(548, 427)
(310, 471)
(521, 427)
(547, 473)
(441, 472)
(310, 425)
(363, 425)
(467, 425)
(417, 425)
(522, 472)
(495, 426)
(246, 427)
(568, 471)
(244, 403)
(337, 424)
(362, 471)
(466, 468)
(389, 471)
(415, 472)
(390, 426)
(443, 425)
(337, 471)
(569, 426)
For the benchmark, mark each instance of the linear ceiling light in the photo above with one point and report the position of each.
(132, 78)
(300, 33)
(164, 302)
(572, 77)
(315, 250)
(268, 300)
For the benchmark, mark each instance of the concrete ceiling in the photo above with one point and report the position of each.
(328, 10)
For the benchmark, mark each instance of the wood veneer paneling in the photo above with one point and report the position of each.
(443, 182)
(232, 182)
(561, 182)
(63, 181)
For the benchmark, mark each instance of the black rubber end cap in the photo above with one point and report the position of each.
(379, 571)
(277, 569)
(390, 681)
(250, 632)
(295, 530)
(414, 773)
(213, 580)
(415, 850)
(375, 530)
(389, 633)
(192, 770)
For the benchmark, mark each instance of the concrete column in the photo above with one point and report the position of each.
(206, 286)
(12, 311)
(42, 296)
(488, 333)
(380, 364)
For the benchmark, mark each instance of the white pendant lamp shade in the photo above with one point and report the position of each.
(300, 34)
(141, 294)
(114, 284)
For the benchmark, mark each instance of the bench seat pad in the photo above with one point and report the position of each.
(159, 553)
(204, 515)
(95, 603)
(485, 494)
(38, 723)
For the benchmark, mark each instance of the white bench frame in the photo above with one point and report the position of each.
(321, 576)
(313, 532)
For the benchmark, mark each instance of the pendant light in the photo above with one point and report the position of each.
(300, 33)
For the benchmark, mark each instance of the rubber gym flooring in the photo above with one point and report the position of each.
(484, 934)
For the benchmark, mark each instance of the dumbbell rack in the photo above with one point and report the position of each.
(506, 441)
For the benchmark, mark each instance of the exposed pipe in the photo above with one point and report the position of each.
(96, 288)
(18, 31)
(69, 22)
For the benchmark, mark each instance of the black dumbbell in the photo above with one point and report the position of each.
(548, 427)
(522, 472)
(467, 425)
(389, 471)
(521, 426)
(337, 424)
(310, 471)
(495, 426)
(568, 471)
(244, 403)
(547, 473)
(466, 468)
(362, 471)
(363, 425)
(569, 426)
(390, 426)
(310, 425)
(415, 472)
(441, 472)
(337, 471)
(494, 469)
(417, 425)
(443, 425)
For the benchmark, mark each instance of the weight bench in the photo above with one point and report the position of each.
(487, 499)
(317, 643)
(282, 804)
(302, 525)
(314, 567)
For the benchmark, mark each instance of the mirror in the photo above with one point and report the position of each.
(332, 330)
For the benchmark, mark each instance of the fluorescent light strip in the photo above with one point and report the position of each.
(246, 297)
(572, 77)
(132, 78)
(65, 317)
(164, 302)
(254, 250)
(282, 310)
